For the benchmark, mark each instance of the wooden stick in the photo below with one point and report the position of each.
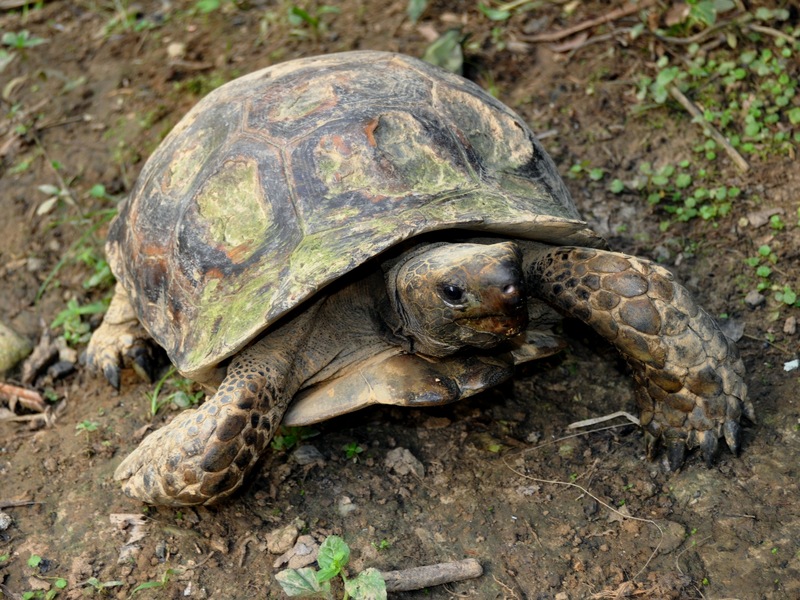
(554, 36)
(15, 503)
(431, 575)
(30, 398)
(737, 158)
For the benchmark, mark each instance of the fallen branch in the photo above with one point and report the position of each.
(555, 36)
(15, 503)
(690, 106)
(419, 578)
(31, 399)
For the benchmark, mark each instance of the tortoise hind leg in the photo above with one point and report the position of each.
(689, 376)
(120, 341)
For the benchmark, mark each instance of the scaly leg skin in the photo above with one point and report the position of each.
(204, 454)
(120, 341)
(689, 376)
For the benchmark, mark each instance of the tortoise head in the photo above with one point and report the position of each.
(454, 295)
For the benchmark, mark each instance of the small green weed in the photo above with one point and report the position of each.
(59, 583)
(352, 450)
(313, 20)
(149, 585)
(21, 40)
(415, 9)
(382, 545)
(334, 554)
(183, 396)
(86, 427)
(289, 437)
(74, 329)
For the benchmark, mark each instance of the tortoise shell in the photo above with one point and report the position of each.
(281, 181)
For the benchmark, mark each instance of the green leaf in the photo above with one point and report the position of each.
(415, 9)
(334, 553)
(207, 6)
(683, 180)
(446, 52)
(369, 585)
(147, 585)
(493, 13)
(301, 582)
(704, 12)
(34, 561)
(763, 271)
(788, 296)
(98, 191)
(616, 186)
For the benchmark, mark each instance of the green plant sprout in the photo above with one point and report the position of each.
(59, 583)
(149, 585)
(352, 450)
(182, 397)
(86, 427)
(333, 556)
(21, 40)
(75, 329)
(300, 18)
(289, 437)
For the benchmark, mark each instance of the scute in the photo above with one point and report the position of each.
(279, 182)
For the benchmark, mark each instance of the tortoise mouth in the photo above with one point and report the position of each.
(499, 326)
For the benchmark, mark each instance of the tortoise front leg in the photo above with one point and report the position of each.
(689, 376)
(120, 341)
(204, 454)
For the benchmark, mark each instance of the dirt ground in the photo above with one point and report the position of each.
(500, 471)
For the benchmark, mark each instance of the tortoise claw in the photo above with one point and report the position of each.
(142, 362)
(709, 445)
(733, 436)
(111, 373)
(676, 453)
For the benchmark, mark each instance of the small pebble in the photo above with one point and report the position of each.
(402, 462)
(61, 369)
(790, 326)
(345, 506)
(13, 348)
(283, 539)
(5, 521)
(176, 50)
(754, 299)
(307, 455)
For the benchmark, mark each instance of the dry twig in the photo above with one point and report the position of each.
(419, 578)
(690, 106)
(31, 399)
(555, 36)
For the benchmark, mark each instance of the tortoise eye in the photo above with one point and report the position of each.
(452, 293)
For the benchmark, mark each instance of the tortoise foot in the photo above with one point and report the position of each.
(195, 459)
(689, 376)
(120, 342)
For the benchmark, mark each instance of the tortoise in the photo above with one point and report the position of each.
(363, 227)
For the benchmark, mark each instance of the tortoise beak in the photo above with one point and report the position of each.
(504, 312)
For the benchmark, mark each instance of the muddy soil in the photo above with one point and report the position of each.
(547, 513)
